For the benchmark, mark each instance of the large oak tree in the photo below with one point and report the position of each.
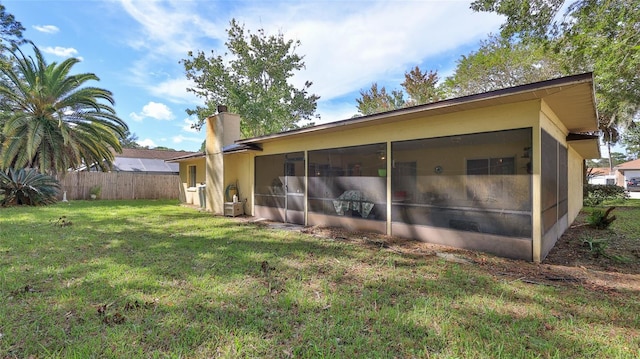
(420, 86)
(10, 37)
(376, 100)
(252, 80)
(500, 63)
(10, 30)
(602, 36)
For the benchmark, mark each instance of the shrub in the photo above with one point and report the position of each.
(95, 192)
(596, 246)
(600, 219)
(595, 194)
(26, 186)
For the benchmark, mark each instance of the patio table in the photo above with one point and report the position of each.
(353, 200)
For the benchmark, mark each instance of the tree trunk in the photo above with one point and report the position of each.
(610, 159)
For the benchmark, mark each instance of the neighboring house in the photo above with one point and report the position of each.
(601, 175)
(626, 171)
(147, 161)
(500, 172)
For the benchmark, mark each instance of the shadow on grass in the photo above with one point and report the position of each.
(165, 282)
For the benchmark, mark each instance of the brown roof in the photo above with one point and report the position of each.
(189, 156)
(151, 154)
(631, 165)
(600, 171)
(232, 148)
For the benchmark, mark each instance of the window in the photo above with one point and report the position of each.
(474, 182)
(280, 187)
(270, 180)
(349, 182)
(191, 177)
(554, 176)
(491, 166)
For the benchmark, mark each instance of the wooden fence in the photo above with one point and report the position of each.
(121, 185)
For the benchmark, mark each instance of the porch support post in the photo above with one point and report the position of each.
(306, 188)
(389, 191)
(536, 195)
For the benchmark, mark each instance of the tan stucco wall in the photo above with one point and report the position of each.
(238, 170)
(214, 163)
(550, 122)
(620, 180)
(222, 129)
(495, 118)
(190, 195)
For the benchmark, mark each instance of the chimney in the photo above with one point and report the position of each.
(223, 129)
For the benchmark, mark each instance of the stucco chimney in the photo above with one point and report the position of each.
(230, 128)
(222, 129)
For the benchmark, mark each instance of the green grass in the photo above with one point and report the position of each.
(152, 279)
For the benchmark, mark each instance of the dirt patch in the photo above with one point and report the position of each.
(617, 265)
(571, 262)
(619, 253)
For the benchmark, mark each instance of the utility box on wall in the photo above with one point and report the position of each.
(202, 195)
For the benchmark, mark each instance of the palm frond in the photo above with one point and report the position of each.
(57, 122)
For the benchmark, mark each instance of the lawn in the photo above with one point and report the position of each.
(152, 279)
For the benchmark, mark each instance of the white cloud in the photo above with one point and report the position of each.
(181, 138)
(175, 90)
(335, 111)
(158, 111)
(47, 29)
(346, 45)
(155, 110)
(171, 27)
(188, 125)
(167, 31)
(160, 84)
(147, 142)
(346, 53)
(60, 51)
(134, 116)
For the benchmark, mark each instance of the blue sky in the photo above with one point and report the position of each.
(135, 48)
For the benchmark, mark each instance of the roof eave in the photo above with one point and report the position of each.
(587, 146)
(186, 158)
(240, 148)
(536, 90)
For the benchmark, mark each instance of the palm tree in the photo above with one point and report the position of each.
(53, 122)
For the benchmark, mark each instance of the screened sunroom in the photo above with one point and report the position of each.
(474, 183)
(500, 172)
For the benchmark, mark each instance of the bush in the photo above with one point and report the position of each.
(596, 246)
(595, 194)
(26, 186)
(600, 219)
(95, 192)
